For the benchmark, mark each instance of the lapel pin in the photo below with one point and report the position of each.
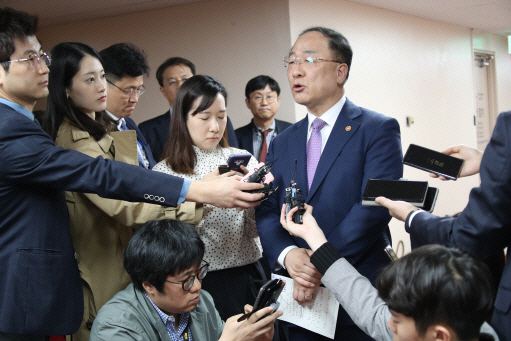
(348, 128)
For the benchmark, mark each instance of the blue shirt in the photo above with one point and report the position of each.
(183, 331)
(19, 108)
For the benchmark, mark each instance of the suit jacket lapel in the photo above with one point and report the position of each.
(343, 130)
(298, 151)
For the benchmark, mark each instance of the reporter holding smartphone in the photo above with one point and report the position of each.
(484, 226)
(196, 147)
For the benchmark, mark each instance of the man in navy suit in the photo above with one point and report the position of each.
(125, 66)
(262, 98)
(484, 226)
(40, 290)
(330, 154)
(170, 75)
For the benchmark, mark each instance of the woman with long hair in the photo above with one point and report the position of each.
(197, 145)
(100, 228)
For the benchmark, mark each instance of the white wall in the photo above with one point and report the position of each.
(404, 65)
(230, 40)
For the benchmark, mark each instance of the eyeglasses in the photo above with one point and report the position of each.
(292, 61)
(130, 92)
(259, 98)
(187, 284)
(33, 60)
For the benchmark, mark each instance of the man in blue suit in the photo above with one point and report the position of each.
(484, 226)
(170, 75)
(125, 66)
(330, 154)
(262, 98)
(40, 290)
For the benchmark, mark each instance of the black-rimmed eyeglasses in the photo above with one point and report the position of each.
(187, 284)
(130, 92)
(33, 60)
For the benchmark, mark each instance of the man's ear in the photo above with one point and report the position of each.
(342, 73)
(440, 332)
(149, 288)
(247, 101)
(162, 89)
(2, 75)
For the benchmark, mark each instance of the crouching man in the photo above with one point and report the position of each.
(164, 300)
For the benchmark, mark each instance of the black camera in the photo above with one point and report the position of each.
(259, 176)
(294, 197)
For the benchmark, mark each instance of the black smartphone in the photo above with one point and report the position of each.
(432, 161)
(429, 203)
(413, 192)
(222, 169)
(235, 161)
(267, 296)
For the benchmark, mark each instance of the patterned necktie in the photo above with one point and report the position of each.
(141, 157)
(314, 149)
(264, 146)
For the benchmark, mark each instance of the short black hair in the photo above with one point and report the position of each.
(14, 25)
(260, 82)
(337, 43)
(435, 284)
(162, 248)
(124, 59)
(173, 61)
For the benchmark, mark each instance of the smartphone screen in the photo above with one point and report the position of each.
(432, 161)
(429, 203)
(413, 192)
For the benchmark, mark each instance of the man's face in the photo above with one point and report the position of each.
(174, 300)
(258, 103)
(120, 104)
(317, 85)
(173, 77)
(22, 84)
(404, 329)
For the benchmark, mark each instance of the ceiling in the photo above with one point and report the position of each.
(485, 15)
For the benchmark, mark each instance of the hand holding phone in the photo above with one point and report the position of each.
(471, 156)
(432, 161)
(235, 161)
(268, 295)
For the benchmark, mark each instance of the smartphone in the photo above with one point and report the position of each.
(413, 192)
(222, 169)
(432, 161)
(267, 296)
(390, 252)
(235, 161)
(429, 203)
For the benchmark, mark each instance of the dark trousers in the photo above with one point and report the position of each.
(233, 288)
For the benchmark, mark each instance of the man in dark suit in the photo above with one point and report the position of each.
(330, 154)
(262, 98)
(484, 226)
(170, 75)
(125, 66)
(40, 290)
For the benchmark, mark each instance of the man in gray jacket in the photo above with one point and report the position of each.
(434, 293)
(165, 301)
